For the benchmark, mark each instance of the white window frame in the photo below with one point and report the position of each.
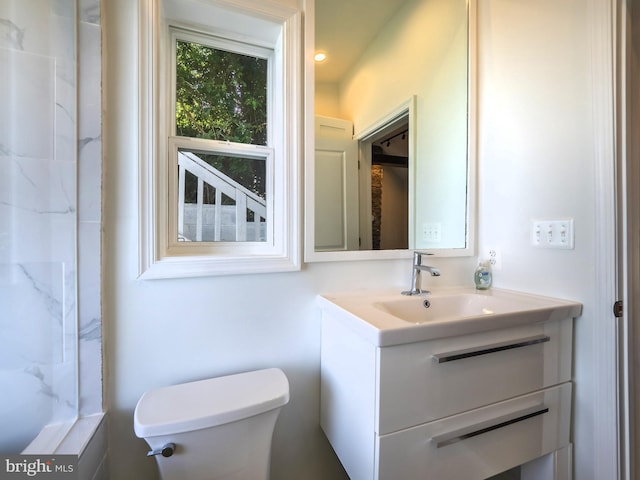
(269, 153)
(262, 24)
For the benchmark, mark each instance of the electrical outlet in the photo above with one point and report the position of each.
(495, 259)
(552, 233)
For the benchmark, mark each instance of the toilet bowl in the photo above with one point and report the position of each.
(215, 429)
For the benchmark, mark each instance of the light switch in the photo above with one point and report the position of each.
(552, 233)
(432, 232)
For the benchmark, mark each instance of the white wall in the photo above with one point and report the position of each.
(536, 160)
(326, 100)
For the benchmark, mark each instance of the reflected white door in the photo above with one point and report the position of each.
(336, 185)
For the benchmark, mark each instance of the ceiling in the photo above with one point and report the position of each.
(344, 28)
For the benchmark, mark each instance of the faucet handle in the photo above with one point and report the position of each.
(417, 256)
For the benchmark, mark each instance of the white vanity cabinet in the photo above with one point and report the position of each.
(460, 407)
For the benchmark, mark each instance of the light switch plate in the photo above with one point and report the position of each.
(553, 233)
(432, 232)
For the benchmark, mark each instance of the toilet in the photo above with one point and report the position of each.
(215, 429)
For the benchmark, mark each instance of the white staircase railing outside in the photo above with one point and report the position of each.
(210, 218)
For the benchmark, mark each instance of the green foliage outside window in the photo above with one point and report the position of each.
(222, 95)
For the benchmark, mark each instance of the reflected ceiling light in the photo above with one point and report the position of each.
(320, 57)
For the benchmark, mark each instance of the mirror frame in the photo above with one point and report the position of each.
(310, 254)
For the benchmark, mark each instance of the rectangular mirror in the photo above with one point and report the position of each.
(390, 157)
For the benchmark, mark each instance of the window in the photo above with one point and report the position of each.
(220, 96)
(220, 177)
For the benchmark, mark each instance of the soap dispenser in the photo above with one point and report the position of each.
(482, 276)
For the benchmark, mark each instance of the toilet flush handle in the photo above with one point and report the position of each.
(166, 451)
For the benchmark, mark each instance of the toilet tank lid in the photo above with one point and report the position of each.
(208, 403)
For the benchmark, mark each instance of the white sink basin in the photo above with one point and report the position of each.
(442, 307)
(389, 318)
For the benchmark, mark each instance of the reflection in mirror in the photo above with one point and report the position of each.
(398, 49)
(362, 185)
(384, 184)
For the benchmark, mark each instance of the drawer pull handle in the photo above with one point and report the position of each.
(485, 349)
(488, 426)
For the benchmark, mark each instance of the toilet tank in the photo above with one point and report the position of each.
(221, 427)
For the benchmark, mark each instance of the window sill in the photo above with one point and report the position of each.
(185, 267)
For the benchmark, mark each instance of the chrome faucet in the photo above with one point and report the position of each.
(416, 274)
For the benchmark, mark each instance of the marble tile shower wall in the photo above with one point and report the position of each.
(89, 206)
(50, 172)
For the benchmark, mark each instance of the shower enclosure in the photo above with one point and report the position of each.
(38, 219)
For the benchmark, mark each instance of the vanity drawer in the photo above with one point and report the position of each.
(422, 382)
(480, 443)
